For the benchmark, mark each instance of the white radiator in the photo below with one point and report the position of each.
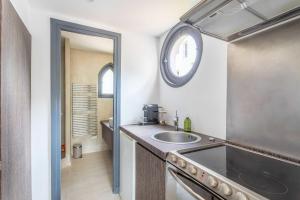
(84, 110)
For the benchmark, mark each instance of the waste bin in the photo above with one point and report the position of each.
(77, 151)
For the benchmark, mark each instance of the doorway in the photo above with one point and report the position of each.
(62, 142)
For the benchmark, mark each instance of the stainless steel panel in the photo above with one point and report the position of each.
(229, 20)
(263, 102)
(232, 19)
(203, 9)
(181, 187)
(176, 137)
(273, 8)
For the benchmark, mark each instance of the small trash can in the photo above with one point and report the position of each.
(77, 151)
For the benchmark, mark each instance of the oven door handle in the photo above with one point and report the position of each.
(182, 184)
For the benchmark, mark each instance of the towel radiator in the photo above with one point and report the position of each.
(84, 110)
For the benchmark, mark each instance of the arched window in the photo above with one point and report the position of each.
(106, 81)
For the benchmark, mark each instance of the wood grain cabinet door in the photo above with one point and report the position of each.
(150, 175)
(15, 106)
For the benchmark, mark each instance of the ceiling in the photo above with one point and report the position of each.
(89, 43)
(152, 17)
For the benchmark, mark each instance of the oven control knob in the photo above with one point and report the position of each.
(173, 158)
(182, 163)
(226, 189)
(193, 170)
(212, 182)
(241, 196)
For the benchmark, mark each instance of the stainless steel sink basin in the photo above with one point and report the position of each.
(176, 137)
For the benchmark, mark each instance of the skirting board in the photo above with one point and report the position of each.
(65, 162)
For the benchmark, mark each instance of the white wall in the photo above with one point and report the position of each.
(139, 75)
(203, 98)
(40, 108)
(22, 7)
(139, 69)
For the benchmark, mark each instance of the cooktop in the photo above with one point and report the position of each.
(270, 177)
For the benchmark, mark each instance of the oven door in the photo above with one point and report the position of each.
(179, 186)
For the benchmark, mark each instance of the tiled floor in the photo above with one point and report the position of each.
(89, 178)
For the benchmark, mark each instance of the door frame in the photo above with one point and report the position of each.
(56, 27)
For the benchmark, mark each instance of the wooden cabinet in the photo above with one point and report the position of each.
(150, 175)
(15, 106)
(107, 134)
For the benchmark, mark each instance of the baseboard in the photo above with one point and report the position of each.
(66, 162)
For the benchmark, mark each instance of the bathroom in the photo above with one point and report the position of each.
(87, 113)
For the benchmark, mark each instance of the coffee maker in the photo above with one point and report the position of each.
(150, 114)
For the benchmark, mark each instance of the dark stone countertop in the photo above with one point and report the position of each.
(106, 123)
(143, 134)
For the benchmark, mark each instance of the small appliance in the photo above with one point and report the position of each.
(150, 114)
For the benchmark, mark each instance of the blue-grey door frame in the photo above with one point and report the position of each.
(56, 27)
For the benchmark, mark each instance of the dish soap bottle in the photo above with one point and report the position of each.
(187, 125)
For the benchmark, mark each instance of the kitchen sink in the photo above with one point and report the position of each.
(176, 137)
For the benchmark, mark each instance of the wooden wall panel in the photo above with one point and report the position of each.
(15, 106)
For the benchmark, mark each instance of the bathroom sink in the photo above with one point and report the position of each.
(176, 137)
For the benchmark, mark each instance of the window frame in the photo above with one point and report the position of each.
(175, 33)
(104, 69)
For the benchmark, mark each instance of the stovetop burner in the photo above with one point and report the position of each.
(265, 183)
(271, 178)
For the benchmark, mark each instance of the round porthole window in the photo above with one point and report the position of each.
(181, 54)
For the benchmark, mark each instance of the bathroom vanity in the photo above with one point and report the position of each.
(107, 134)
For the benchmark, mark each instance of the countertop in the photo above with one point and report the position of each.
(106, 123)
(143, 134)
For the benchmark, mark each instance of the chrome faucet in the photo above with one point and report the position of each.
(176, 119)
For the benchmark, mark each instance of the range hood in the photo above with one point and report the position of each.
(232, 19)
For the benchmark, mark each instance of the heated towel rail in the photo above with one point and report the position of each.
(84, 110)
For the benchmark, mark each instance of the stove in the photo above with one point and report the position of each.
(236, 173)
